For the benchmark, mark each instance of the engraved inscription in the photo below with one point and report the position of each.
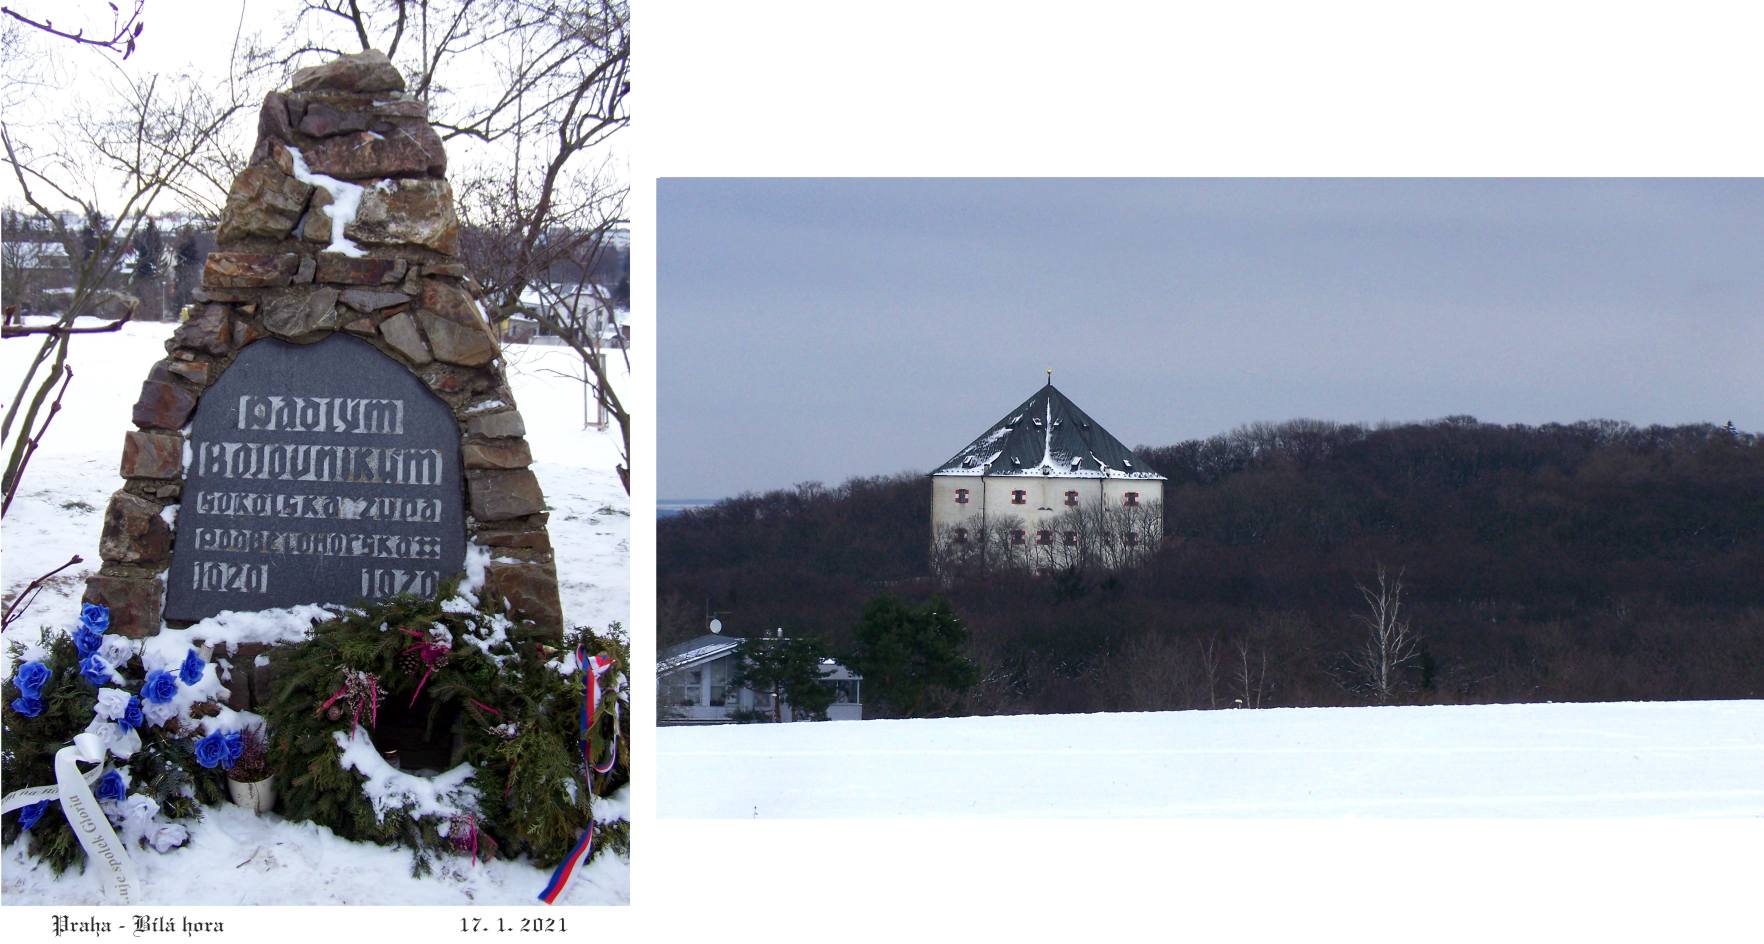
(323, 473)
(321, 414)
(231, 578)
(284, 462)
(264, 505)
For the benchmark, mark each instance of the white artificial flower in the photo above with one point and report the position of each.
(158, 713)
(137, 812)
(168, 836)
(117, 650)
(112, 703)
(112, 736)
(126, 745)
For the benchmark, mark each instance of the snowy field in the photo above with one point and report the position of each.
(59, 513)
(1633, 759)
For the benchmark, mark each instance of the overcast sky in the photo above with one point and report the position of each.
(821, 329)
(53, 78)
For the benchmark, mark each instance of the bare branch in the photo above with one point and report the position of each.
(122, 39)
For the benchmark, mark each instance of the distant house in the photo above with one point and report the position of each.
(519, 329)
(584, 306)
(1045, 487)
(693, 679)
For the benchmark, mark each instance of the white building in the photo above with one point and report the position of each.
(693, 679)
(1045, 487)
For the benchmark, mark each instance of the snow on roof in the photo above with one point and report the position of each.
(694, 651)
(37, 255)
(1047, 435)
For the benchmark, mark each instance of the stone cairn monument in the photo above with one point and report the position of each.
(333, 423)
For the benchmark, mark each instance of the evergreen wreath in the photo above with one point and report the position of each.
(516, 710)
(518, 726)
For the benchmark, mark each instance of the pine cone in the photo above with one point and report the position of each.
(334, 713)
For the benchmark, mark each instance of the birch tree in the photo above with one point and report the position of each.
(1389, 645)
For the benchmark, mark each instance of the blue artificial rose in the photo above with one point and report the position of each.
(110, 787)
(95, 616)
(131, 717)
(28, 816)
(28, 706)
(87, 640)
(161, 686)
(211, 751)
(191, 670)
(235, 744)
(30, 678)
(95, 669)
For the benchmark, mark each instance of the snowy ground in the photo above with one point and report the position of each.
(1665, 759)
(59, 513)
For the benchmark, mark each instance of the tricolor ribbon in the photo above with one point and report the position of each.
(115, 869)
(578, 856)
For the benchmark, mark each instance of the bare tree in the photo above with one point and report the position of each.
(1209, 666)
(1390, 644)
(1095, 536)
(160, 142)
(1252, 672)
(118, 37)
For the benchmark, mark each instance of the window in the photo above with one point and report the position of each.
(1017, 536)
(688, 689)
(719, 682)
(1071, 498)
(1132, 538)
(1131, 500)
(961, 496)
(1044, 538)
(961, 535)
(1019, 497)
(1071, 539)
(845, 691)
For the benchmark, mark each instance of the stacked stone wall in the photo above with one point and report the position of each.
(278, 272)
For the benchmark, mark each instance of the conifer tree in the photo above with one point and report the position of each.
(788, 669)
(912, 658)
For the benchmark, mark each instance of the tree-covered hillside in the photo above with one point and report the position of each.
(1591, 561)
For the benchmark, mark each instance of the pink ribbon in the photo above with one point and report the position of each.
(373, 703)
(431, 652)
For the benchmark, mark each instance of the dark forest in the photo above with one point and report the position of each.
(1593, 561)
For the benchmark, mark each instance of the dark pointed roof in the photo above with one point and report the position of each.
(1047, 435)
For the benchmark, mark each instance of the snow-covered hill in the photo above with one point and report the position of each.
(1684, 759)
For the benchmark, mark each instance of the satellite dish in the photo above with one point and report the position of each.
(716, 626)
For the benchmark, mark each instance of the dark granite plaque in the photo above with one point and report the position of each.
(319, 473)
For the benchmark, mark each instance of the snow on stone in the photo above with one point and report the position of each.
(388, 788)
(345, 201)
(286, 624)
(1683, 759)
